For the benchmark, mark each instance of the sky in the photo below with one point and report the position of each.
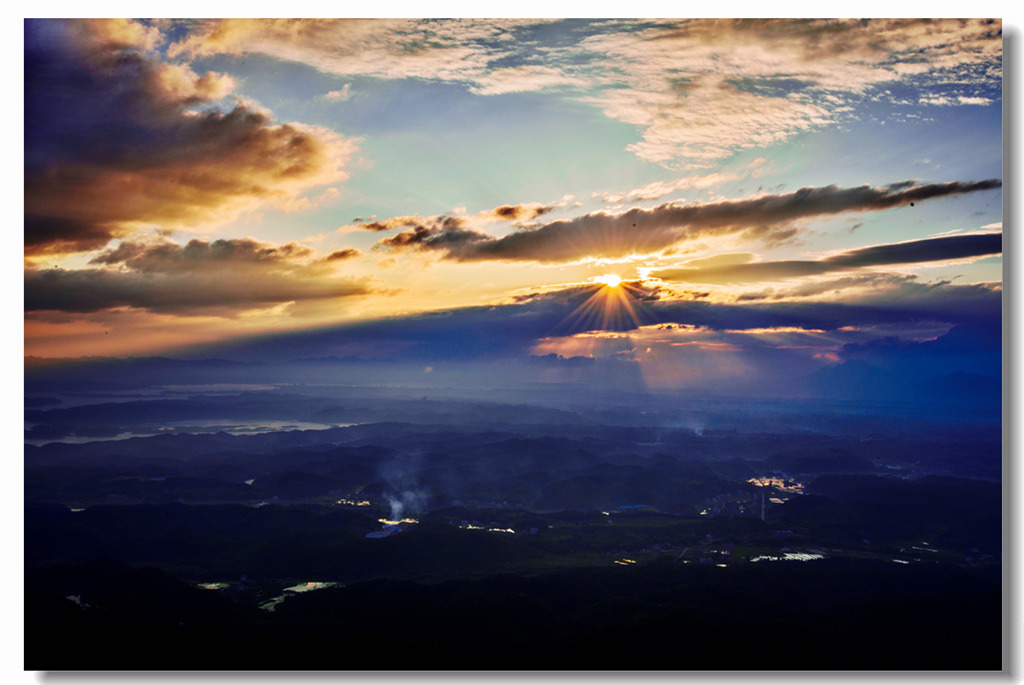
(703, 198)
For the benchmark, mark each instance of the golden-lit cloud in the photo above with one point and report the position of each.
(701, 89)
(768, 218)
(673, 355)
(347, 253)
(118, 141)
(519, 212)
(97, 37)
(386, 48)
(656, 190)
(698, 89)
(129, 144)
(516, 214)
(220, 278)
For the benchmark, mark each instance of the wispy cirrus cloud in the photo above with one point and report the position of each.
(117, 139)
(656, 190)
(769, 218)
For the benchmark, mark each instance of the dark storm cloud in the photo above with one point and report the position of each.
(912, 252)
(114, 137)
(768, 218)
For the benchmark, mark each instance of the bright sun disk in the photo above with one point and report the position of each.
(610, 280)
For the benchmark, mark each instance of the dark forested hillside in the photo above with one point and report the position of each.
(471, 540)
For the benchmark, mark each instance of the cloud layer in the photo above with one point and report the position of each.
(128, 143)
(697, 89)
(550, 323)
(223, 277)
(769, 218)
(912, 252)
(701, 89)
(117, 140)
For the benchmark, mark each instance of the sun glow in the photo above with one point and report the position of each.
(614, 307)
(609, 280)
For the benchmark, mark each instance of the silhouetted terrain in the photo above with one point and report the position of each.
(629, 532)
(831, 614)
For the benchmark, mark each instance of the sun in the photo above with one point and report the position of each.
(614, 304)
(609, 280)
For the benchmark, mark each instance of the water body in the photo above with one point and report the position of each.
(289, 591)
(239, 428)
(790, 556)
(193, 428)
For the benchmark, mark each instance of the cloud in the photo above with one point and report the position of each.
(911, 252)
(520, 212)
(698, 89)
(387, 224)
(54, 234)
(702, 89)
(724, 259)
(659, 189)
(222, 277)
(835, 289)
(344, 93)
(198, 255)
(525, 78)
(682, 340)
(422, 225)
(948, 101)
(887, 290)
(347, 253)
(643, 231)
(449, 234)
(385, 48)
(117, 140)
